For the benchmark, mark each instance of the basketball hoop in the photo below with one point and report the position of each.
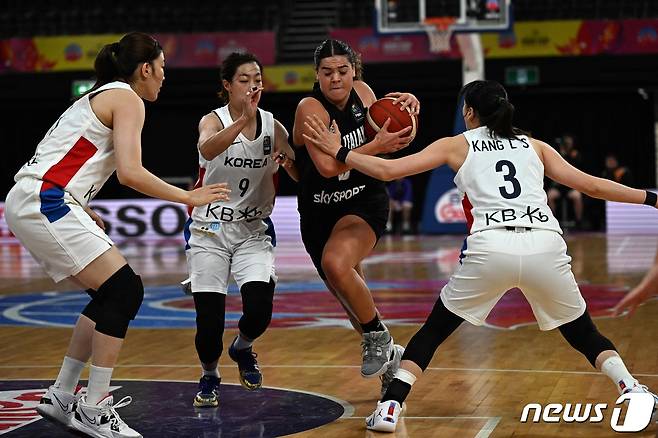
(439, 31)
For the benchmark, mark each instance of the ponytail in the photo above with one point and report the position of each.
(489, 101)
(119, 60)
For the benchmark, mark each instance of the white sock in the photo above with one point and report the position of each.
(213, 372)
(99, 384)
(241, 343)
(69, 374)
(614, 368)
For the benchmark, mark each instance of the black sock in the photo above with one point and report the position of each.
(373, 326)
(397, 390)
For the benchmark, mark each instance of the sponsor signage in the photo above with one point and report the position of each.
(152, 219)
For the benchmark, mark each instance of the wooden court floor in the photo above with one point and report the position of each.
(476, 386)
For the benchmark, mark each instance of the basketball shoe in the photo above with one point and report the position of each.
(208, 395)
(250, 375)
(377, 348)
(101, 420)
(385, 417)
(643, 388)
(57, 405)
(394, 364)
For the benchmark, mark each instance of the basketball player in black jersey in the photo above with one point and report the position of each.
(344, 212)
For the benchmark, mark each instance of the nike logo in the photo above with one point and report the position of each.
(235, 142)
(89, 420)
(64, 407)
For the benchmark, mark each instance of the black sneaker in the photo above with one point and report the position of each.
(250, 376)
(208, 395)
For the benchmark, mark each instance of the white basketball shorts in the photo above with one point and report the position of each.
(497, 260)
(54, 228)
(215, 251)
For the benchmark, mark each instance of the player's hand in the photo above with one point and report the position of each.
(250, 102)
(326, 139)
(207, 194)
(389, 142)
(283, 160)
(406, 100)
(631, 301)
(92, 214)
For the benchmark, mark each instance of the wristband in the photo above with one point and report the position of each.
(651, 198)
(341, 155)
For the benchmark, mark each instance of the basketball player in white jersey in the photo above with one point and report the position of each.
(243, 145)
(48, 211)
(514, 240)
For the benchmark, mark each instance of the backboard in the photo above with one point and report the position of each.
(411, 16)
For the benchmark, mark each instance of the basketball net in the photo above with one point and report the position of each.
(439, 31)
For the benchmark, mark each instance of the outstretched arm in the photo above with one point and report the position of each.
(326, 164)
(128, 120)
(557, 169)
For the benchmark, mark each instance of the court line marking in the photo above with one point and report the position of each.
(486, 370)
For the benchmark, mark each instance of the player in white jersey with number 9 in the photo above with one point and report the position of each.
(48, 211)
(244, 145)
(514, 240)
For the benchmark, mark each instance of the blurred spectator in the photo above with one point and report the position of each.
(557, 191)
(400, 192)
(616, 172)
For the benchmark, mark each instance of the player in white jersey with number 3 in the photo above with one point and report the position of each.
(514, 240)
(243, 145)
(48, 211)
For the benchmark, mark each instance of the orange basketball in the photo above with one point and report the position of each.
(384, 109)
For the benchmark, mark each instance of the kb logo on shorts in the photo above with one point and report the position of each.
(638, 414)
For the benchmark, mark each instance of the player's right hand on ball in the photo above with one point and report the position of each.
(207, 194)
(389, 142)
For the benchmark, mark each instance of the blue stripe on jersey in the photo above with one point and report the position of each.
(270, 230)
(187, 233)
(461, 253)
(52, 204)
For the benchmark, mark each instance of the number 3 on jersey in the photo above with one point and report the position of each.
(510, 171)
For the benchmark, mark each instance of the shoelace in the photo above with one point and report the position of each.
(247, 359)
(208, 385)
(114, 416)
(371, 346)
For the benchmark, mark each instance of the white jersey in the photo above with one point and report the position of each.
(248, 169)
(77, 153)
(503, 183)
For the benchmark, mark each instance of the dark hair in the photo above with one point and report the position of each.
(489, 101)
(119, 60)
(229, 67)
(329, 48)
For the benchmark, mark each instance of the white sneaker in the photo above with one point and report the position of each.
(57, 405)
(643, 388)
(385, 417)
(101, 420)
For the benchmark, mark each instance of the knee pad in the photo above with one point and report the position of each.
(257, 298)
(93, 308)
(210, 311)
(121, 297)
(583, 335)
(439, 325)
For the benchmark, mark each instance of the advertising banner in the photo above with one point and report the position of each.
(78, 52)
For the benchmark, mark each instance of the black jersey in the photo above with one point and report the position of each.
(316, 192)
